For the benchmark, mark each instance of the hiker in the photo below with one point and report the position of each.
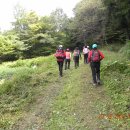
(60, 55)
(67, 58)
(94, 57)
(85, 53)
(76, 56)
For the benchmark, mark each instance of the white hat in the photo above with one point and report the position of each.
(60, 46)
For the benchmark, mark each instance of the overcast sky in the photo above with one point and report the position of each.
(42, 7)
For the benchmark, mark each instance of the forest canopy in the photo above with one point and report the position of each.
(102, 21)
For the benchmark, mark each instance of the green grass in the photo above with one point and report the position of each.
(63, 116)
(21, 81)
(115, 74)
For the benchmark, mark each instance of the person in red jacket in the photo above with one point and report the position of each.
(60, 55)
(94, 57)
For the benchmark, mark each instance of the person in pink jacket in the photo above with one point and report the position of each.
(85, 53)
(67, 58)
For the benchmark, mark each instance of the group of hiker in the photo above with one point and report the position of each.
(93, 56)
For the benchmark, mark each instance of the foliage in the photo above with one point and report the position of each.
(116, 76)
(126, 50)
(20, 82)
(118, 19)
(87, 25)
(10, 47)
(41, 34)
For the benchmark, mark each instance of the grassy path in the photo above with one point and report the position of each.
(69, 103)
(76, 107)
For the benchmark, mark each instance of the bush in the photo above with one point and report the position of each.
(126, 49)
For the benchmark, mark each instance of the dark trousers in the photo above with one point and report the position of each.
(85, 58)
(67, 64)
(95, 67)
(76, 61)
(60, 64)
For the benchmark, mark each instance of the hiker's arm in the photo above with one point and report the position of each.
(101, 55)
(64, 54)
(89, 56)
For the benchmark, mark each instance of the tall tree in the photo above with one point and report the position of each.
(88, 21)
(118, 21)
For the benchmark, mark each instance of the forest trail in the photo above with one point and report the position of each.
(70, 103)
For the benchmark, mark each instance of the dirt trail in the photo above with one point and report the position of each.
(87, 110)
(87, 113)
(38, 113)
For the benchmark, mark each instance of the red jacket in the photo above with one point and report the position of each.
(90, 55)
(64, 55)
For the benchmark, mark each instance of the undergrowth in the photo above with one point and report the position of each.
(20, 82)
(116, 74)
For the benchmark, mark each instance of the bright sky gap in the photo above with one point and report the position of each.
(41, 7)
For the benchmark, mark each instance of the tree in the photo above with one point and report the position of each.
(118, 21)
(11, 47)
(87, 25)
(59, 19)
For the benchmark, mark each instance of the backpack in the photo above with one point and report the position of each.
(68, 55)
(95, 56)
(59, 54)
(85, 50)
(76, 53)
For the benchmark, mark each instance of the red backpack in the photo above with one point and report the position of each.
(95, 56)
(59, 54)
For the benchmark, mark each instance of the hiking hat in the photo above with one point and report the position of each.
(94, 46)
(67, 49)
(87, 46)
(60, 46)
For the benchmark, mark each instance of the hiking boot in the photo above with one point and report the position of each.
(98, 82)
(94, 84)
(60, 76)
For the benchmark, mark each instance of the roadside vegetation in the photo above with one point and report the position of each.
(21, 82)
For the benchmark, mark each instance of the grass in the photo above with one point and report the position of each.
(63, 116)
(115, 74)
(21, 82)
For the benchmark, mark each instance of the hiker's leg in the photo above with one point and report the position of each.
(87, 58)
(65, 64)
(58, 65)
(62, 63)
(75, 64)
(93, 72)
(98, 71)
(61, 68)
(78, 61)
(84, 59)
(68, 63)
